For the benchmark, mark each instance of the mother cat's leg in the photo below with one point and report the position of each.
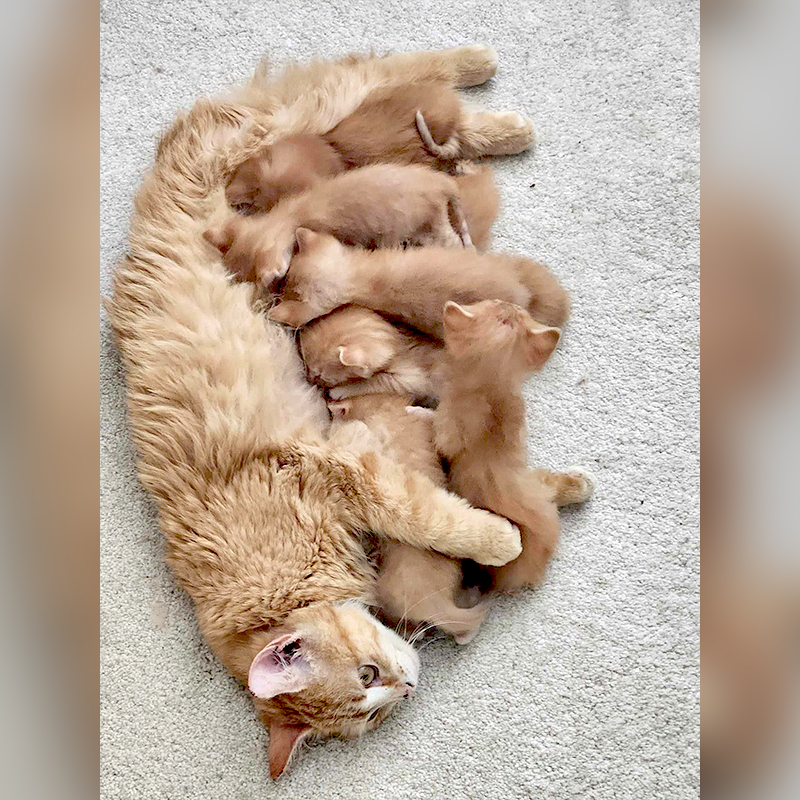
(379, 495)
(469, 65)
(495, 133)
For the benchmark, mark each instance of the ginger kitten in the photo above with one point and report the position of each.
(379, 206)
(414, 586)
(355, 351)
(416, 124)
(411, 285)
(490, 349)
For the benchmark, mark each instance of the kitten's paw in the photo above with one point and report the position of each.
(583, 484)
(499, 544)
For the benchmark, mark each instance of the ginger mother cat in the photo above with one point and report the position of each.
(262, 515)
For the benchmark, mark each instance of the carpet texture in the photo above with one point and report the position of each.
(588, 687)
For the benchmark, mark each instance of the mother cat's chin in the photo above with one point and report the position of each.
(328, 670)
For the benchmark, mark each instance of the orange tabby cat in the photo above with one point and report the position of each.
(355, 351)
(379, 206)
(414, 586)
(411, 285)
(490, 349)
(262, 517)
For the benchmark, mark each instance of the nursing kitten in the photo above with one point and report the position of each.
(355, 351)
(411, 285)
(417, 124)
(379, 206)
(413, 586)
(490, 349)
(290, 166)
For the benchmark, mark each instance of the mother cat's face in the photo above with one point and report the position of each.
(329, 670)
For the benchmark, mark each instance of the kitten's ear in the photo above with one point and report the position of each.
(280, 668)
(355, 357)
(283, 740)
(306, 238)
(292, 313)
(222, 236)
(340, 409)
(539, 345)
(456, 317)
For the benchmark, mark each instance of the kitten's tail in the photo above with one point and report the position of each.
(458, 221)
(549, 299)
(532, 507)
(449, 149)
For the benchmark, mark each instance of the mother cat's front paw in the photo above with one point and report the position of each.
(499, 542)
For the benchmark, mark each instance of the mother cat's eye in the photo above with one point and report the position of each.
(368, 674)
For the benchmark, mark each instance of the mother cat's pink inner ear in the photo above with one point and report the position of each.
(280, 668)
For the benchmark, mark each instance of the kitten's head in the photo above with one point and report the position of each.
(350, 344)
(317, 278)
(290, 166)
(239, 242)
(502, 333)
(329, 670)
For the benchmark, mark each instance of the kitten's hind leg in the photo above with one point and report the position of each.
(491, 133)
(573, 486)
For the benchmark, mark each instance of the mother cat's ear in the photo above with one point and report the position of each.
(456, 317)
(282, 667)
(539, 344)
(283, 740)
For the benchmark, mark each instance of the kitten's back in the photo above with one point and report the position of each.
(383, 127)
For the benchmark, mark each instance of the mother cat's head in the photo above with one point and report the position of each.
(330, 670)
